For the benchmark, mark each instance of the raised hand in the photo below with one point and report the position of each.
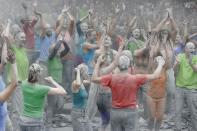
(49, 79)
(11, 57)
(65, 9)
(24, 6)
(101, 59)
(160, 60)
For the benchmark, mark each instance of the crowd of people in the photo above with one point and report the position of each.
(100, 64)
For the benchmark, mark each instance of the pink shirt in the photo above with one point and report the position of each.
(29, 32)
(124, 89)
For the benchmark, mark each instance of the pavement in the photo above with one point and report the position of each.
(66, 118)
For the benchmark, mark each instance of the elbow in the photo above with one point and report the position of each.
(63, 93)
(93, 79)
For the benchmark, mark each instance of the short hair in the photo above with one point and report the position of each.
(123, 62)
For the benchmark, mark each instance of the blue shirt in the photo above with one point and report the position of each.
(38, 40)
(46, 43)
(3, 107)
(179, 49)
(80, 99)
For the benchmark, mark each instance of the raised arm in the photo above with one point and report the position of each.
(57, 89)
(162, 23)
(114, 64)
(60, 20)
(71, 25)
(95, 77)
(77, 82)
(173, 32)
(5, 94)
(78, 25)
(158, 70)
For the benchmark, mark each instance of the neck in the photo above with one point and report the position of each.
(124, 71)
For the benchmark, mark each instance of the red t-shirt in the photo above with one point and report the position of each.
(124, 88)
(29, 33)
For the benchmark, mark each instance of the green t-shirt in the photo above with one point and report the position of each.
(55, 69)
(33, 99)
(186, 77)
(132, 46)
(21, 62)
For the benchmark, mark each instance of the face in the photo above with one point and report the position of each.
(164, 35)
(92, 36)
(48, 30)
(108, 42)
(190, 48)
(178, 38)
(20, 41)
(83, 71)
(136, 33)
(66, 24)
(84, 27)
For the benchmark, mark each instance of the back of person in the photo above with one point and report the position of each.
(80, 98)
(33, 99)
(124, 89)
(158, 86)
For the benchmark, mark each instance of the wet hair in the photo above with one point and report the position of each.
(123, 62)
(34, 73)
(160, 34)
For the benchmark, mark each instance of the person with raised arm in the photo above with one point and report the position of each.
(124, 88)
(34, 94)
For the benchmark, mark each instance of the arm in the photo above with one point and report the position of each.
(173, 33)
(5, 94)
(77, 83)
(161, 24)
(6, 34)
(79, 30)
(193, 65)
(90, 46)
(59, 23)
(131, 24)
(113, 65)
(186, 35)
(57, 90)
(72, 23)
(95, 77)
(176, 65)
(158, 70)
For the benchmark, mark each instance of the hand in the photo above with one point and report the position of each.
(77, 69)
(49, 79)
(35, 4)
(190, 58)
(170, 15)
(177, 60)
(11, 57)
(24, 6)
(185, 22)
(65, 9)
(90, 12)
(160, 60)
(101, 59)
(9, 21)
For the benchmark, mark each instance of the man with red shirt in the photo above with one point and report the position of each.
(28, 24)
(124, 86)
